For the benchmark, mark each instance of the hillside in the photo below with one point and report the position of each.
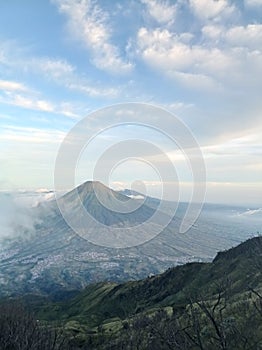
(233, 277)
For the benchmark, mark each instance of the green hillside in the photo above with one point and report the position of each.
(229, 288)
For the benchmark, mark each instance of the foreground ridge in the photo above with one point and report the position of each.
(195, 306)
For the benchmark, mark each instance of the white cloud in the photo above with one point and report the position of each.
(16, 220)
(244, 145)
(66, 109)
(211, 9)
(225, 58)
(93, 91)
(195, 81)
(161, 11)
(89, 23)
(136, 196)
(30, 135)
(55, 68)
(212, 32)
(163, 49)
(63, 73)
(30, 102)
(253, 3)
(177, 106)
(43, 105)
(193, 65)
(7, 85)
(249, 36)
(42, 190)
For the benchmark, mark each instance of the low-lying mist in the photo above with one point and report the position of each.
(17, 218)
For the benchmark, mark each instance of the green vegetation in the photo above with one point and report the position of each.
(206, 306)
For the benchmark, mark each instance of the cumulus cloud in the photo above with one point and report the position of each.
(212, 31)
(162, 48)
(216, 55)
(193, 65)
(161, 11)
(89, 23)
(222, 57)
(211, 9)
(249, 36)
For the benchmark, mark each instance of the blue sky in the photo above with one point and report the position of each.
(199, 59)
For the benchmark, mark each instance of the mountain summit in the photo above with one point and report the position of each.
(105, 205)
(91, 191)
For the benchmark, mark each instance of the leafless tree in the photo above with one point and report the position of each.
(20, 330)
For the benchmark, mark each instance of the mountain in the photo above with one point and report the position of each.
(54, 260)
(105, 205)
(232, 282)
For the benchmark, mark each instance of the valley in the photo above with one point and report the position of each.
(56, 260)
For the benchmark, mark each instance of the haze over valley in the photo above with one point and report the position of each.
(46, 256)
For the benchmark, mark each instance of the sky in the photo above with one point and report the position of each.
(201, 60)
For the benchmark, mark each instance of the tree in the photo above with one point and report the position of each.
(20, 330)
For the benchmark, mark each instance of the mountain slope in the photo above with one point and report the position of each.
(106, 205)
(215, 305)
(239, 268)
